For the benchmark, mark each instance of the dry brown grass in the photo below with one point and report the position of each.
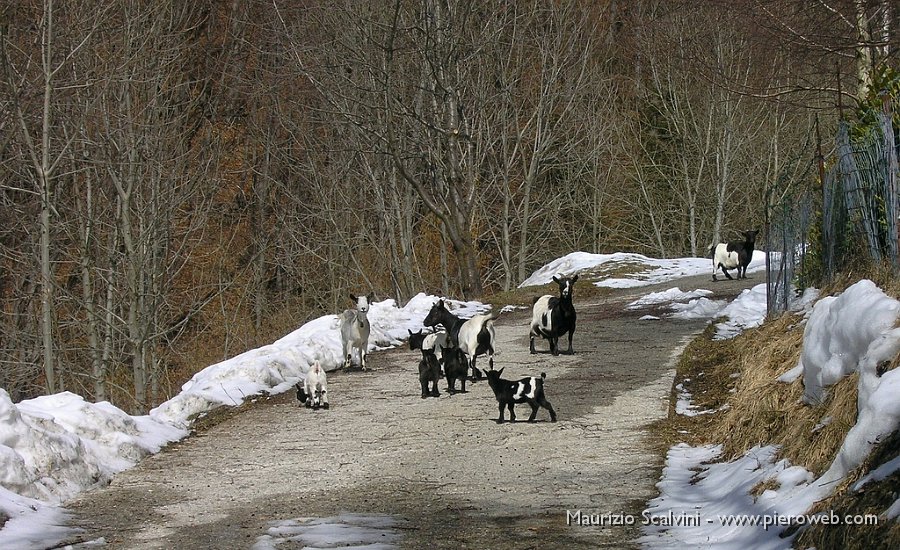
(765, 411)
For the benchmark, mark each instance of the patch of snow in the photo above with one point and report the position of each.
(791, 375)
(363, 531)
(674, 294)
(879, 473)
(748, 310)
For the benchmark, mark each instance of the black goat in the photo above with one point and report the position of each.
(551, 317)
(735, 254)
(456, 366)
(429, 371)
(527, 390)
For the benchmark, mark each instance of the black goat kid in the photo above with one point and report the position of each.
(527, 390)
(456, 367)
(429, 371)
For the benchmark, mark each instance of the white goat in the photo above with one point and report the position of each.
(316, 387)
(355, 330)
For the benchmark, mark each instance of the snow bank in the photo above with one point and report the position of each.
(54, 446)
(839, 332)
(650, 271)
(878, 405)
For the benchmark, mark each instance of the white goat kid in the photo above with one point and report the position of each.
(315, 388)
(355, 330)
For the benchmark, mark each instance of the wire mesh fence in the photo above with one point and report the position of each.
(848, 219)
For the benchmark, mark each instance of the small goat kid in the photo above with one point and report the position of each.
(473, 336)
(429, 372)
(456, 366)
(526, 390)
(735, 254)
(552, 317)
(355, 330)
(313, 391)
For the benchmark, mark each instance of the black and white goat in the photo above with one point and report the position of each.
(434, 342)
(313, 391)
(355, 330)
(735, 254)
(526, 390)
(473, 336)
(552, 317)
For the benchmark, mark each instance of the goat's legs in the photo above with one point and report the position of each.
(476, 374)
(546, 404)
(571, 333)
(534, 410)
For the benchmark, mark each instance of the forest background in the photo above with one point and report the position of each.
(183, 181)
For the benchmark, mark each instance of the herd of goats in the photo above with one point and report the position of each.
(451, 353)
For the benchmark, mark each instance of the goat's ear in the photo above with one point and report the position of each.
(352, 298)
(410, 332)
(499, 372)
(555, 280)
(575, 278)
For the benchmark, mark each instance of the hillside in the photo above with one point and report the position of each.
(785, 415)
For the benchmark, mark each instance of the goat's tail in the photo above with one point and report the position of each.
(543, 376)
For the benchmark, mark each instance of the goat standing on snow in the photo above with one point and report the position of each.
(355, 330)
(736, 254)
(526, 390)
(314, 390)
(473, 336)
(551, 317)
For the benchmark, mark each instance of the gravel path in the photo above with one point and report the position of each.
(441, 470)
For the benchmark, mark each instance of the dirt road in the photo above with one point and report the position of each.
(435, 472)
